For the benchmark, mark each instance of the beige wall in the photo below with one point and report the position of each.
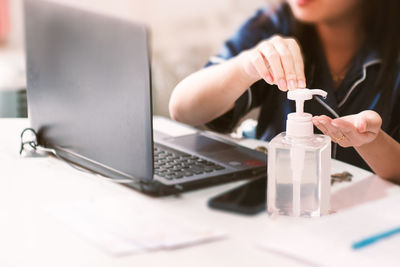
(184, 32)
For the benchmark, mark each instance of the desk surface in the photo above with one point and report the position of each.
(31, 237)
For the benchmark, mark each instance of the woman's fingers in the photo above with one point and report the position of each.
(319, 125)
(334, 132)
(273, 58)
(294, 49)
(262, 67)
(353, 130)
(346, 126)
(287, 61)
(281, 58)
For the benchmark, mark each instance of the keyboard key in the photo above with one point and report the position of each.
(179, 175)
(177, 168)
(208, 169)
(196, 171)
(169, 177)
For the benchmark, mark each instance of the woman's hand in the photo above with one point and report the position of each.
(278, 61)
(353, 130)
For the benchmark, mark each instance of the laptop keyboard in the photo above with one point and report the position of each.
(172, 164)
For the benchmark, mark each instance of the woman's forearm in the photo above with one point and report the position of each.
(383, 156)
(209, 93)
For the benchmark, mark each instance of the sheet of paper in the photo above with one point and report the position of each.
(327, 241)
(171, 128)
(125, 225)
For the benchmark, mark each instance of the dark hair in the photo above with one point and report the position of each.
(382, 26)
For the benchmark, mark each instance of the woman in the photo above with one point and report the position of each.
(349, 48)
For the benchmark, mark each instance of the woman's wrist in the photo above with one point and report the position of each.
(382, 156)
(374, 142)
(242, 63)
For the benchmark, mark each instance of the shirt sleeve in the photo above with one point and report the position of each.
(265, 23)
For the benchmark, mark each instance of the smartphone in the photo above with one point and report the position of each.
(248, 199)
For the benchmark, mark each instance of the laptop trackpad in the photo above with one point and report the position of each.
(200, 144)
(216, 150)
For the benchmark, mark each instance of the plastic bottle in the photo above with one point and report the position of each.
(299, 165)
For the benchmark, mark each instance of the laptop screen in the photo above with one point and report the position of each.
(89, 92)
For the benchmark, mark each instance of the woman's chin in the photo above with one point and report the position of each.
(305, 16)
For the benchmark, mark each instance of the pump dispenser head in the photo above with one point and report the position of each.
(299, 124)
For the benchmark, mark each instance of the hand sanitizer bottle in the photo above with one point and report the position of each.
(299, 165)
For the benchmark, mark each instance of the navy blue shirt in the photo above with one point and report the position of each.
(357, 92)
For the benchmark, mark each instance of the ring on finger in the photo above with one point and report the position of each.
(339, 139)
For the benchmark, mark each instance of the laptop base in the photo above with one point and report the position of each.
(154, 187)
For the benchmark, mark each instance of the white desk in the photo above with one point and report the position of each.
(31, 237)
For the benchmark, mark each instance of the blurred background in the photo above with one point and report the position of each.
(184, 34)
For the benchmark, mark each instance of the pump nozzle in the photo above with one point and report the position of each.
(300, 95)
(299, 124)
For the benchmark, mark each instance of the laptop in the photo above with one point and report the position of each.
(89, 99)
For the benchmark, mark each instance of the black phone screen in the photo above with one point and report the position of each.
(249, 198)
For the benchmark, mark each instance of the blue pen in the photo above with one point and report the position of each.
(372, 239)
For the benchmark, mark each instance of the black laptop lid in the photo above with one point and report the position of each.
(88, 86)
